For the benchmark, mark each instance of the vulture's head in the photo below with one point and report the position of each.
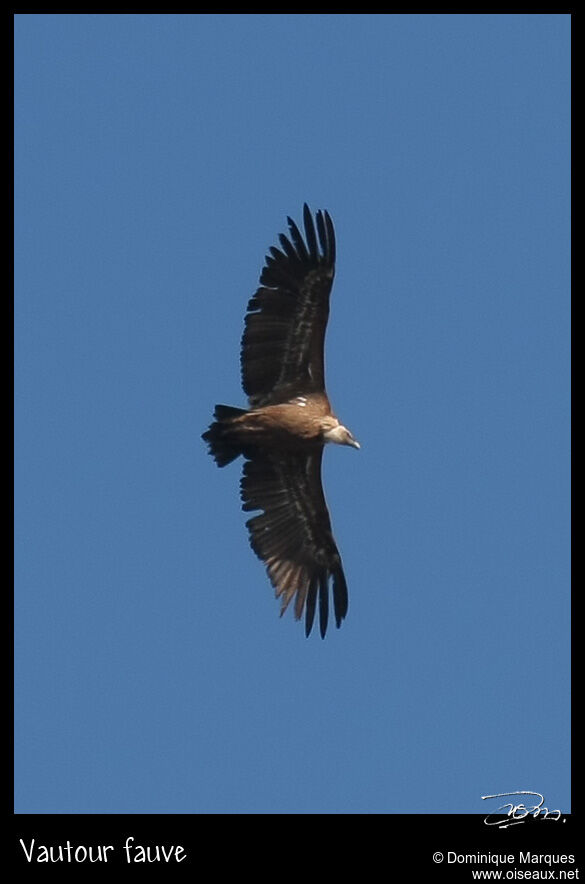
(341, 435)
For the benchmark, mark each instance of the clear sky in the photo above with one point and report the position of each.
(157, 157)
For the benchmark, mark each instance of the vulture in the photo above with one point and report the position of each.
(289, 420)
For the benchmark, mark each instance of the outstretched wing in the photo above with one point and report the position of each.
(293, 535)
(284, 334)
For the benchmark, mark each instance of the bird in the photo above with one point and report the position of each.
(283, 432)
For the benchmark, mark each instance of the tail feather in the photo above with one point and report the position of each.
(224, 412)
(221, 447)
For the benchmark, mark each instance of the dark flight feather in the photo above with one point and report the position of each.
(293, 533)
(284, 334)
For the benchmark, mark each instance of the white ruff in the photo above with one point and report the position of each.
(336, 434)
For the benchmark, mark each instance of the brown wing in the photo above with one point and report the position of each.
(284, 334)
(293, 535)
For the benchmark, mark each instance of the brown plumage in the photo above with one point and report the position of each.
(282, 434)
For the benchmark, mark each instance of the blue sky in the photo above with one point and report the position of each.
(157, 157)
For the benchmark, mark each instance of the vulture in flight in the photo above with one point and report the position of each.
(282, 434)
